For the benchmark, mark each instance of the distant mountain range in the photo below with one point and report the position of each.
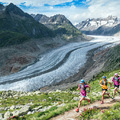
(100, 26)
(59, 23)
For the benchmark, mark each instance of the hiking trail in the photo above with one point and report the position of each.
(73, 115)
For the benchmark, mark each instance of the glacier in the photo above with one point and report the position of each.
(56, 65)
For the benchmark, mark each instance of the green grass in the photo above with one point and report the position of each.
(109, 114)
(67, 30)
(112, 114)
(113, 59)
(8, 38)
(59, 98)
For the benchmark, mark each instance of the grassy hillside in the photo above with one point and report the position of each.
(8, 38)
(67, 29)
(113, 59)
(52, 103)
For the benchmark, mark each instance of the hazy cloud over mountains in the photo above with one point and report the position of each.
(75, 10)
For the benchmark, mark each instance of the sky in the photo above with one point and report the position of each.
(75, 10)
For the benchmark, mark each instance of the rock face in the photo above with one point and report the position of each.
(100, 26)
(59, 23)
(1, 7)
(41, 18)
(56, 19)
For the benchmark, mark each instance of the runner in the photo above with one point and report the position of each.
(116, 80)
(103, 83)
(83, 87)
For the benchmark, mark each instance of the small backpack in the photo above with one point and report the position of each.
(117, 78)
(84, 88)
(105, 82)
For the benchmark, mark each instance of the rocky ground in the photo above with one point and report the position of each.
(28, 108)
(17, 57)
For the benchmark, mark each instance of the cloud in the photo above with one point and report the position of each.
(75, 10)
(36, 3)
(96, 9)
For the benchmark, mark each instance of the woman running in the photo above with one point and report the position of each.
(83, 87)
(103, 83)
(116, 80)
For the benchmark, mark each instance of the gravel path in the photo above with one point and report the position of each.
(72, 115)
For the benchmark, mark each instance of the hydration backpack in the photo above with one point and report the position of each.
(117, 78)
(105, 82)
(84, 88)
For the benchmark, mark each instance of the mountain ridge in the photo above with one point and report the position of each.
(100, 26)
(59, 23)
(13, 19)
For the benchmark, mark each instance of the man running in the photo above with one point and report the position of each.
(116, 80)
(104, 83)
(83, 87)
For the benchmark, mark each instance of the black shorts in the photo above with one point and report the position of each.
(116, 86)
(104, 89)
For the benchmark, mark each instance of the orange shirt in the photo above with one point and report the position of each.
(104, 86)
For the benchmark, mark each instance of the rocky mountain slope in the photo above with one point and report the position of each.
(60, 24)
(17, 26)
(23, 39)
(100, 26)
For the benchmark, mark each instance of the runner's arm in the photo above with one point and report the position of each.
(89, 88)
(110, 84)
(100, 84)
(78, 88)
(119, 79)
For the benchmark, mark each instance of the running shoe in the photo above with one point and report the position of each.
(102, 102)
(89, 101)
(77, 110)
(108, 94)
(113, 98)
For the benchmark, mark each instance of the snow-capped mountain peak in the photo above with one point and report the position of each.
(99, 26)
(92, 24)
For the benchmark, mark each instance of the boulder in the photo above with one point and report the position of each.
(61, 105)
(16, 113)
(58, 91)
(24, 110)
(44, 100)
(8, 114)
(37, 92)
(6, 108)
(12, 107)
(29, 113)
(76, 98)
(37, 108)
(50, 98)
(1, 109)
(1, 116)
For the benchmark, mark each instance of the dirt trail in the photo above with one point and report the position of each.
(72, 115)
